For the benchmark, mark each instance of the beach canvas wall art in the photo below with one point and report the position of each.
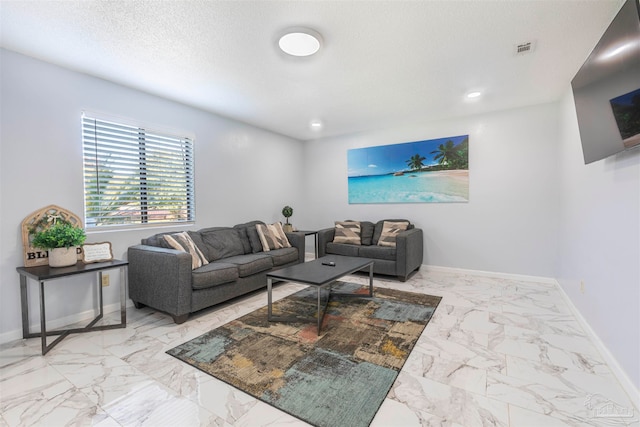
(430, 171)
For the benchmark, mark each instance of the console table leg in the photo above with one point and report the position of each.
(100, 293)
(43, 322)
(123, 298)
(24, 301)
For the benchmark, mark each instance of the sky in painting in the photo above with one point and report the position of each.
(385, 159)
(627, 98)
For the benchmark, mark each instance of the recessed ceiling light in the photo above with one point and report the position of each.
(474, 94)
(300, 42)
(315, 125)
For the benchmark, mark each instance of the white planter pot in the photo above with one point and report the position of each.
(62, 257)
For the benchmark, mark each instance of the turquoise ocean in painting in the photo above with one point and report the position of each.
(416, 187)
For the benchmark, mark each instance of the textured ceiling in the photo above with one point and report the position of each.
(383, 63)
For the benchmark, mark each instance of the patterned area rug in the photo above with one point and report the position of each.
(338, 378)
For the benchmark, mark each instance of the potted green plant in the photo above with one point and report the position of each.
(60, 240)
(287, 211)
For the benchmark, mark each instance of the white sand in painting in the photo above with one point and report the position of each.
(459, 176)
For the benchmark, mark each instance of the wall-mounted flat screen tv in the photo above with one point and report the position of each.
(606, 89)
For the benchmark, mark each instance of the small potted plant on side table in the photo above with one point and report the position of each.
(61, 240)
(287, 211)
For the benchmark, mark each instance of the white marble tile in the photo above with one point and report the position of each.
(449, 403)
(448, 371)
(524, 418)
(154, 405)
(18, 351)
(498, 351)
(394, 413)
(558, 392)
(266, 415)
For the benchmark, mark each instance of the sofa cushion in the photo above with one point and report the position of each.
(213, 274)
(378, 228)
(183, 242)
(244, 238)
(222, 242)
(347, 232)
(378, 252)
(250, 263)
(283, 256)
(390, 229)
(272, 236)
(366, 232)
(342, 249)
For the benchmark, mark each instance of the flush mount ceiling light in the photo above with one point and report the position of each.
(300, 42)
(474, 94)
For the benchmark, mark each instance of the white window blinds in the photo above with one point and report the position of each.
(135, 176)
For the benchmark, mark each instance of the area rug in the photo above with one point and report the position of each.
(338, 378)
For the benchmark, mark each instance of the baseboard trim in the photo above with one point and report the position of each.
(618, 372)
(520, 277)
(85, 316)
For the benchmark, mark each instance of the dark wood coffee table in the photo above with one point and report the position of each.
(315, 273)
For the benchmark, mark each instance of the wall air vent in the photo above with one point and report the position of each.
(524, 48)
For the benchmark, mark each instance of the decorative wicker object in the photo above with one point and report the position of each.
(38, 221)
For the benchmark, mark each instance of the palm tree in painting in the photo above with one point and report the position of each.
(446, 153)
(415, 162)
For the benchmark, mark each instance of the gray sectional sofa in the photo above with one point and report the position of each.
(162, 278)
(399, 261)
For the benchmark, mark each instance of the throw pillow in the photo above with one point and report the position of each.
(390, 231)
(183, 242)
(272, 236)
(347, 232)
(254, 239)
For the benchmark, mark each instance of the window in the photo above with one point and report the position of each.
(135, 176)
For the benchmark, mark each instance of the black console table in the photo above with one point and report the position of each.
(313, 233)
(44, 273)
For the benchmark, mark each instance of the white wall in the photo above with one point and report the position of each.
(600, 242)
(242, 173)
(510, 223)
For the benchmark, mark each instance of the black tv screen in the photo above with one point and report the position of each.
(606, 89)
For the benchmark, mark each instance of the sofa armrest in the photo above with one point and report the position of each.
(297, 240)
(409, 252)
(160, 278)
(325, 236)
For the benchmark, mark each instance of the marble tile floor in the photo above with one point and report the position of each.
(498, 352)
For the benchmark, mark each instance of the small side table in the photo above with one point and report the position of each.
(44, 273)
(315, 239)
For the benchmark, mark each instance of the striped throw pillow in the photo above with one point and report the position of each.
(390, 231)
(347, 232)
(272, 236)
(183, 242)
